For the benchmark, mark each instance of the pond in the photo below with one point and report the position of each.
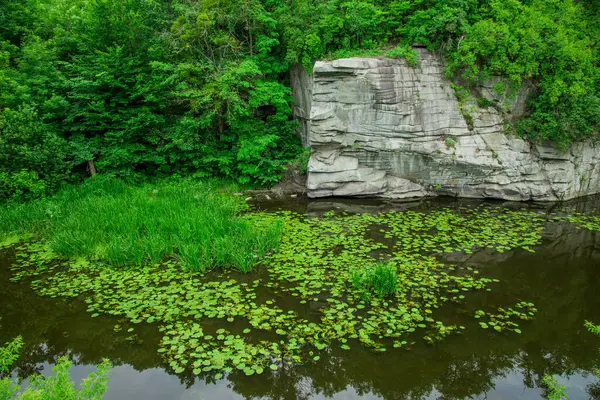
(561, 278)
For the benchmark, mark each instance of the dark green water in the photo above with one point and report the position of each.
(562, 278)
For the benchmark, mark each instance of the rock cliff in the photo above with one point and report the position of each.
(379, 127)
(301, 84)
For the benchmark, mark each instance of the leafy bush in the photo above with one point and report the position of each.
(554, 390)
(33, 160)
(56, 386)
(450, 143)
(406, 52)
(9, 354)
(301, 161)
(21, 185)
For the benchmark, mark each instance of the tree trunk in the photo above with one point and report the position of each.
(248, 27)
(91, 167)
(221, 125)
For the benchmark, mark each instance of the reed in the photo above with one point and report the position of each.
(198, 223)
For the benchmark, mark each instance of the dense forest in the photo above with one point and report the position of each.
(146, 88)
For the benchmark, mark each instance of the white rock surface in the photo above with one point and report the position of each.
(301, 84)
(379, 127)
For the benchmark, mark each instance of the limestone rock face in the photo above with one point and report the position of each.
(301, 84)
(379, 127)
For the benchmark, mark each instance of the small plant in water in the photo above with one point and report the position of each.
(381, 280)
(504, 320)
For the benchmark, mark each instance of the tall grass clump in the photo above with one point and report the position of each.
(380, 280)
(120, 224)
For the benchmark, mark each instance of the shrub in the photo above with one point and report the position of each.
(301, 161)
(33, 160)
(554, 390)
(56, 386)
(406, 52)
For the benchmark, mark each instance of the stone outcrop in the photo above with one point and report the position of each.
(379, 127)
(301, 83)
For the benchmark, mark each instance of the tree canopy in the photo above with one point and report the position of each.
(135, 88)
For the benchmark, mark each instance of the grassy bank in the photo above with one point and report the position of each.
(120, 224)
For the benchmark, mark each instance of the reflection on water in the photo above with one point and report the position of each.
(561, 278)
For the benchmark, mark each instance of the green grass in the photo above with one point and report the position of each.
(380, 280)
(121, 224)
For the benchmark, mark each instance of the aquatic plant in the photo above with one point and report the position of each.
(56, 386)
(381, 280)
(220, 322)
(505, 319)
(581, 221)
(119, 224)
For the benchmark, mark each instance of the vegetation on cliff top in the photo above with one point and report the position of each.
(140, 88)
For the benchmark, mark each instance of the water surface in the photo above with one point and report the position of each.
(562, 278)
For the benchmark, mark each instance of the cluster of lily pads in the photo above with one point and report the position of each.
(505, 319)
(300, 300)
(581, 221)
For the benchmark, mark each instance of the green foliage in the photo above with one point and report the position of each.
(462, 95)
(450, 143)
(433, 23)
(554, 390)
(33, 159)
(301, 161)
(406, 52)
(545, 41)
(139, 88)
(482, 102)
(195, 222)
(312, 29)
(142, 87)
(56, 386)
(595, 329)
(115, 117)
(59, 386)
(9, 354)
